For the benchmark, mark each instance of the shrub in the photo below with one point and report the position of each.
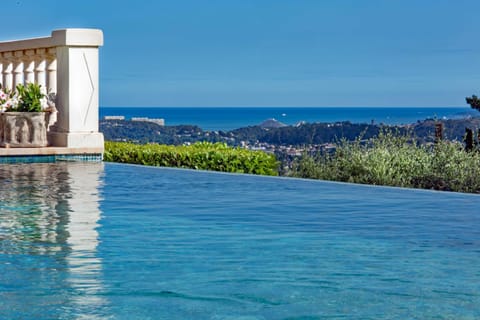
(393, 160)
(28, 98)
(202, 155)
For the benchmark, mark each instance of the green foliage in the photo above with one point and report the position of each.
(201, 155)
(474, 102)
(394, 160)
(30, 98)
(305, 134)
(308, 133)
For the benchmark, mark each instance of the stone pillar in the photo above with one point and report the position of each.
(1, 72)
(18, 69)
(7, 70)
(40, 67)
(77, 88)
(29, 75)
(51, 71)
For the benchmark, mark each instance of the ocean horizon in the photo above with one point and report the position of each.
(229, 118)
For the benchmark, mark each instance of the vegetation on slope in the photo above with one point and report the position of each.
(201, 155)
(305, 134)
(394, 160)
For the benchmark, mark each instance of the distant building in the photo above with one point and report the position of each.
(160, 122)
(114, 118)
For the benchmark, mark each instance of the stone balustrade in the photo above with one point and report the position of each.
(23, 66)
(65, 63)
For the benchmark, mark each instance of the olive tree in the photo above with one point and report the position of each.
(474, 102)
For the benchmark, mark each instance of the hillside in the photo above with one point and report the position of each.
(303, 134)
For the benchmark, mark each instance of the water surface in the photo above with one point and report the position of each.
(108, 241)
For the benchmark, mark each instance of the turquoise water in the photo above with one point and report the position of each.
(107, 241)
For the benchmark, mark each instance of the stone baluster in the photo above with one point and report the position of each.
(40, 69)
(51, 70)
(18, 68)
(1, 71)
(29, 75)
(7, 70)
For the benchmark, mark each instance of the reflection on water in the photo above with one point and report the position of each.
(178, 244)
(48, 239)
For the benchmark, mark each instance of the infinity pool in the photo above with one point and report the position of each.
(107, 241)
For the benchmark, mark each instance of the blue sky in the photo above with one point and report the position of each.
(271, 52)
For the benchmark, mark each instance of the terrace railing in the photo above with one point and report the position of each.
(65, 63)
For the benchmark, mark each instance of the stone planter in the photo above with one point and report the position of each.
(23, 129)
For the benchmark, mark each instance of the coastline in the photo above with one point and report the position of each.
(230, 118)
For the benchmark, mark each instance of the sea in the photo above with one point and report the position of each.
(229, 118)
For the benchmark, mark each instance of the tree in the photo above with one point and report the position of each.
(474, 102)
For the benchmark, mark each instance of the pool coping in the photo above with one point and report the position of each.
(5, 152)
(49, 154)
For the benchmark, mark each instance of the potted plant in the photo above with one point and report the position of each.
(25, 117)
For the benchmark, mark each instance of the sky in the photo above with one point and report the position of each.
(307, 53)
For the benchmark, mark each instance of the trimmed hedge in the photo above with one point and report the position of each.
(201, 155)
(394, 160)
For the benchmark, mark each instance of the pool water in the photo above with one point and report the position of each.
(109, 241)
